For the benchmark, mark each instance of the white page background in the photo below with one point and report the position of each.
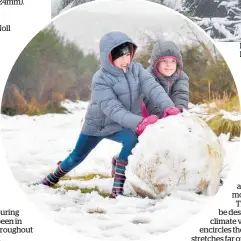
(25, 24)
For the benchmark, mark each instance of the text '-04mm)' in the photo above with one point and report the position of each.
(226, 226)
(11, 2)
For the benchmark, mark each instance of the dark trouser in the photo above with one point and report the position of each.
(86, 144)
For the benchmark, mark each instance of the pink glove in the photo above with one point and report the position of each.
(144, 110)
(146, 121)
(170, 111)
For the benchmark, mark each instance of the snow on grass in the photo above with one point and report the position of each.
(35, 144)
(233, 116)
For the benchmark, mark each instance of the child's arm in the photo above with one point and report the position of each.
(106, 99)
(155, 95)
(180, 92)
(151, 108)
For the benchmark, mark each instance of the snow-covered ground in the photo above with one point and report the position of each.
(35, 144)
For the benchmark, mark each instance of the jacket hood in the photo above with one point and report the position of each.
(164, 49)
(108, 42)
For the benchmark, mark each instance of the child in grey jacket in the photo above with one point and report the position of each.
(167, 69)
(115, 109)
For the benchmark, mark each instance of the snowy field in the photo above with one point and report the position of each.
(35, 144)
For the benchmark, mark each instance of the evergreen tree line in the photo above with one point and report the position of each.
(47, 71)
(51, 69)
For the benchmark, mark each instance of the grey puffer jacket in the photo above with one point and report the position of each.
(177, 85)
(116, 95)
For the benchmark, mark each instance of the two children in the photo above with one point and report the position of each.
(115, 110)
(167, 69)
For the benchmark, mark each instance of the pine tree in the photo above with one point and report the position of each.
(65, 3)
(78, 2)
(239, 3)
(201, 8)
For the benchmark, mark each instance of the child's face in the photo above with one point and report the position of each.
(122, 62)
(167, 67)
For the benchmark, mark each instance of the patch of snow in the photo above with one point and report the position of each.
(233, 116)
(41, 141)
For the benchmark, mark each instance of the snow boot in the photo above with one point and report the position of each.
(119, 178)
(53, 178)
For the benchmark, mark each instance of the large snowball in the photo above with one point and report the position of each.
(176, 153)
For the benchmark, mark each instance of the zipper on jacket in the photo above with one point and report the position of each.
(129, 89)
(168, 86)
